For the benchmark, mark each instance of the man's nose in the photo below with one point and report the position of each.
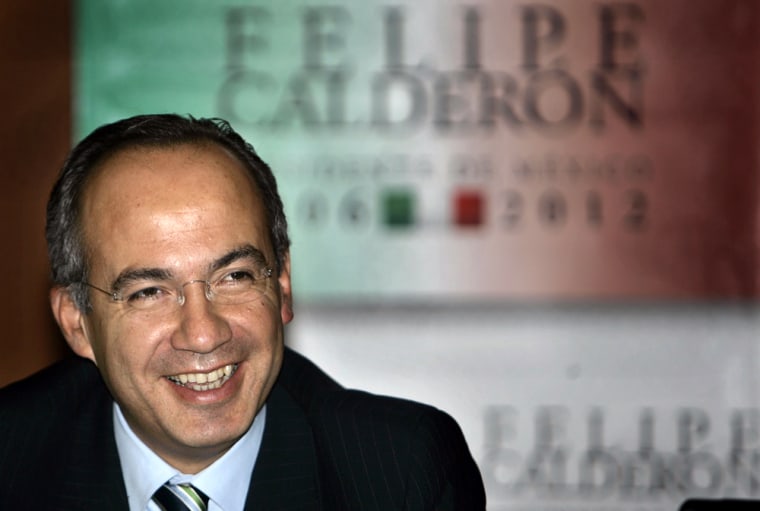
(202, 329)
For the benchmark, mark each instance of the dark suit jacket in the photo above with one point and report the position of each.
(324, 447)
(720, 505)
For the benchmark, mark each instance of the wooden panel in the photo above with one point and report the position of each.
(35, 49)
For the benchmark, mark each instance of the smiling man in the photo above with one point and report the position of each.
(170, 261)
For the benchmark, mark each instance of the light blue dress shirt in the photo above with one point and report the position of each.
(225, 481)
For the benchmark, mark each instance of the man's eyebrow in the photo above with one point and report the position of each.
(129, 276)
(243, 252)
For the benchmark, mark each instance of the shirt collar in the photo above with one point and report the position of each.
(225, 481)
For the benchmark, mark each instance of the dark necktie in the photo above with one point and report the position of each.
(181, 497)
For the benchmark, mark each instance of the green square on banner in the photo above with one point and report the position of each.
(398, 207)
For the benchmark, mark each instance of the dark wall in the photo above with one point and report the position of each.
(35, 49)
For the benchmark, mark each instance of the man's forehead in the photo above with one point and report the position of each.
(160, 192)
(177, 176)
(134, 164)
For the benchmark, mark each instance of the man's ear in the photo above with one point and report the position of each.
(71, 320)
(286, 295)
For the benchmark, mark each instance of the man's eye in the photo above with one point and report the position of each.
(147, 294)
(237, 277)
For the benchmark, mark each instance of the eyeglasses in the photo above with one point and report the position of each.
(233, 287)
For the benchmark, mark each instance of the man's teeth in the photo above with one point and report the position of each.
(205, 381)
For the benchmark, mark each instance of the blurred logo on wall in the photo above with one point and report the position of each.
(441, 151)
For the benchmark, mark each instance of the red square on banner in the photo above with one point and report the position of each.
(469, 207)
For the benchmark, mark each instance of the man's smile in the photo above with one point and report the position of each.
(204, 381)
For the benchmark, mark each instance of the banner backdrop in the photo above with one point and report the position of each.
(467, 183)
(437, 150)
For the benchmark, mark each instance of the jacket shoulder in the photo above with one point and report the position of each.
(58, 389)
(412, 454)
(49, 423)
(404, 454)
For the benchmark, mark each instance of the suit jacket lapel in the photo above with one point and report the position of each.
(285, 475)
(91, 478)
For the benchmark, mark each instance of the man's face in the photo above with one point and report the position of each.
(180, 213)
